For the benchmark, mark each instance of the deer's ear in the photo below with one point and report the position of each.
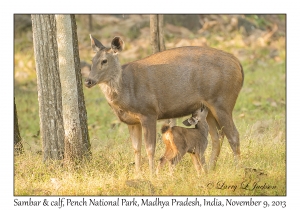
(186, 122)
(96, 45)
(190, 121)
(117, 44)
(204, 112)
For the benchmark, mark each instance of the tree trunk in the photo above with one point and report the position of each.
(157, 33)
(48, 84)
(157, 42)
(18, 147)
(161, 32)
(154, 39)
(90, 23)
(77, 144)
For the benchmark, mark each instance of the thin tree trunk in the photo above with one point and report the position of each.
(48, 84)
(161, 33)
(77, 143)
(157, 33)
(90, 23)
(18, 147)
(154, 39)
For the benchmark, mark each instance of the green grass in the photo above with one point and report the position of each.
(259, 114)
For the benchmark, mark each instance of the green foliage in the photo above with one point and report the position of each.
(257, 20)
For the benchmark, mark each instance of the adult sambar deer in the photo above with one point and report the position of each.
(169, 84)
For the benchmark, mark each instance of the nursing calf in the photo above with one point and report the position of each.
(180, 140)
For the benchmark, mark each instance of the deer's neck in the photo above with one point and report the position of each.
(111, 88)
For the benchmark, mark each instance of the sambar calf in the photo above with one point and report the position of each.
(179, 141)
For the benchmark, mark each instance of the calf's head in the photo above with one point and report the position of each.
(198, 115)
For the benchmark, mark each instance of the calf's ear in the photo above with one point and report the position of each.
(190, 121)
(186, 122)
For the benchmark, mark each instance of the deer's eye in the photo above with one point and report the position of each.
(103, 62)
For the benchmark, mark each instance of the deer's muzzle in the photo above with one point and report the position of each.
(89, 83)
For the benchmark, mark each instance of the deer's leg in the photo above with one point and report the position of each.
(149, 129)
(202, 162)
(174, 161)
(135, 132)
(228, 127)
(162, 162)
(198, 159)
(169, 154)
(196, 162)
(216, 138)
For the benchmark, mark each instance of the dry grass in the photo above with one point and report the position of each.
(111, 167)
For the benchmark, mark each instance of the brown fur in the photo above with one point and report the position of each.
(179, 141)
(169, 84)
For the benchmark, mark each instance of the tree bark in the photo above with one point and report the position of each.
(157, 33)
(18, 146)
(161, 32)
(154, 39)
(90, 23)
(77, 144)
(49, 87)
